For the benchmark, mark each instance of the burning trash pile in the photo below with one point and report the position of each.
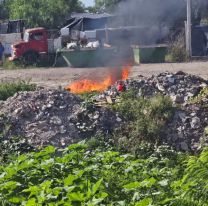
(186, 130)
(60, 117)
(53, 117)
(180, 87)
(88, 85)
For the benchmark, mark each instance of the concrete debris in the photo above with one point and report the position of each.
(187, 126)
(180, 87)
(53, 117)
(61, 118)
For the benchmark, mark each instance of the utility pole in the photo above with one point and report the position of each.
(188, 29)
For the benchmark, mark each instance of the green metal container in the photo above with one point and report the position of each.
(87, 57)
(150, 54)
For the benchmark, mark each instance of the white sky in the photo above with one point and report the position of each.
(88, 2)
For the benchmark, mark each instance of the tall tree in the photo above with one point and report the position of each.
(3, 10)
(47, 13)
(106, 5)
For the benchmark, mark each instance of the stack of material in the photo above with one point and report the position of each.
(180, 87)
(53, 117)
(186, 131)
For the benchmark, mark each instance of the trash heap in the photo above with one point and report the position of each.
(186, 130)
(53, 117)
(60, 118)
(179, 86)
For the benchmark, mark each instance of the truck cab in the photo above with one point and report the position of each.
(35, 42)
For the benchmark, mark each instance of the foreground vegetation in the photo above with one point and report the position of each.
(79, 176)
(129, 168)
(9, 89)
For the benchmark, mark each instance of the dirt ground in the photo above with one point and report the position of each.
(61, 77)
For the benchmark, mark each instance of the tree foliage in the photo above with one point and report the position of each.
(106, 4)
(47, 13)
(3, 10)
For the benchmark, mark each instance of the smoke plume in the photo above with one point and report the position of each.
(153, 19)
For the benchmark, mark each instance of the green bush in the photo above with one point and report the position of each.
(145, 119)
(9, 65)
(9, 89)
(177, 50)
(12, 147)
(195, 181)
(75, 176)
(200, 97)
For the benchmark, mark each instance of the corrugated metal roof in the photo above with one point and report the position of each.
(90, 15)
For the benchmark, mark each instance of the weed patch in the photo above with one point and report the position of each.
(9, 89)
(145, 118)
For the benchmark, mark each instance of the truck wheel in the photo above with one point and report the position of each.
(30, 58)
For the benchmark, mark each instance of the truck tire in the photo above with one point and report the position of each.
(30, 58)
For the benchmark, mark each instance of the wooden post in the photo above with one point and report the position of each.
(188, 29)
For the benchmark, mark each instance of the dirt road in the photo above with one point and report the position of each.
(56, 77)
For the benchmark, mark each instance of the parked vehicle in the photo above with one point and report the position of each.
(35, 44)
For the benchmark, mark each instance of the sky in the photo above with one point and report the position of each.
(88, 2)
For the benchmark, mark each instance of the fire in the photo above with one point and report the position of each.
(125, 73)
(87, 85)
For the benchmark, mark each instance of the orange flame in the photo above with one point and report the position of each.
(87, 85)
(125, 73)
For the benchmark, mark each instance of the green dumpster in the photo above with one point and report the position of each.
(88, 57)
(150, 54)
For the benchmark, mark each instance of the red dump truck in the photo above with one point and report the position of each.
(35, 44)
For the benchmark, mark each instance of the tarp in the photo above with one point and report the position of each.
(87, 21)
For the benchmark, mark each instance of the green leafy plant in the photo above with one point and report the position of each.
(145, 119)
(197, 99)
(8, 89)
(177, 51)
(77, 176)
(12, 147)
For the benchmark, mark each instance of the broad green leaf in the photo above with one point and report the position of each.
(46, 151)
(71, 178)
(132, 185)
(57, 190)
(31, 202)
(10, 185)
(144, 202)
(78, 196)
(16, 199)
(121, 203)
(22, 158)
(96, 186)
(33, 190)
(96, 201)
(148, 182)
(10, 171)
(77, 146)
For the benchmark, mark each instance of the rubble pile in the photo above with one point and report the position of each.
(179, 86)
(53, 117)
(186, 129)
(61, 118)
